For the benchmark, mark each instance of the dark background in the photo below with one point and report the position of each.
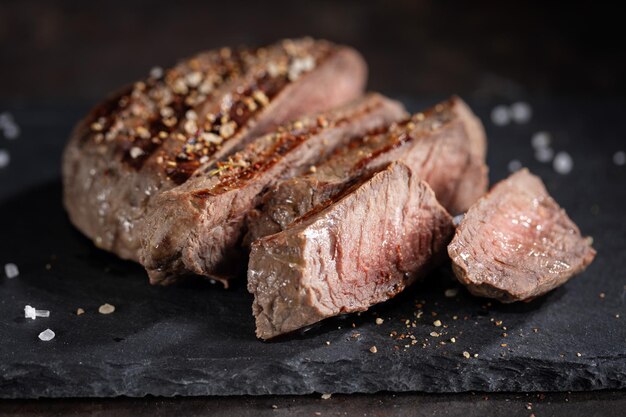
(59, 53)
(72, 50)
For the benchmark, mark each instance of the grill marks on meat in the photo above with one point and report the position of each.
(155, 134)
(445, 146)
(194, 228)
(516, 243)
(360, 248)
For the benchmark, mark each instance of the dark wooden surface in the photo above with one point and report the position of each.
(76, 51)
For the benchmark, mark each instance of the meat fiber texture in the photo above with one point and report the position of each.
(153, 135)
(361, 248)
(516, 243)
(444, 145)
(197, 227)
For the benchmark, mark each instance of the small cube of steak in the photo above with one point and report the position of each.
(516, 243)
(444, 145)
(194, 228)
(155, 134)
(360, 248)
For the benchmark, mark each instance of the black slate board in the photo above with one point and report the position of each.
(198, 339)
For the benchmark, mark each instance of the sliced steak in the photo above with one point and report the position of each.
(445, 146)
(155, 134)
(516, 243)
(193, 228)
(360, 248)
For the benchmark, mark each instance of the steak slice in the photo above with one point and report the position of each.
(445, 146)
(194, 228)
(362, 247)
(155, 134)
(516, 243)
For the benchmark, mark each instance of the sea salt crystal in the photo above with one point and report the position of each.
(521, 112)
(563, 163)
(458, 219)
(135, 152)
(8, 126)
(46, 335)
(544, 154)
(540, 140)
(451, 292)
(156, 72)
(501, 115)
(32, 313)
(11, 270)
(514, 165)
(12, 132)
(619, 158)
(5, 158)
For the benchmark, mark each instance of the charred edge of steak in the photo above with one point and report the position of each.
(163, 108)
(293, 197)
(260, 156)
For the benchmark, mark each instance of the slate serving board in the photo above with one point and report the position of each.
(198, 339)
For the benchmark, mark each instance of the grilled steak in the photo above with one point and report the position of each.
(360, 248)
(445, 146)
(154, 135)
(194, 227)
(516, 243)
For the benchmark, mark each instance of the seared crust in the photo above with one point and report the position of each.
(445, 145)
(154, 135)
(195, 227)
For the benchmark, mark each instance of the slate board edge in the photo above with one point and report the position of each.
(201, 378)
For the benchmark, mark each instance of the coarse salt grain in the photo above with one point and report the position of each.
(451, 292)
(46, 335)
(12, 132)
(11, 270)
(514, 165)
(156, 72)
(458, 219)
(32, 313)
(541, 140)
(619, 158)
(521, 112)
(135, 152)
(563, 163)
(501, 115)
(544, 154)
(5, 158)
(326, 396)
(7, 124)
